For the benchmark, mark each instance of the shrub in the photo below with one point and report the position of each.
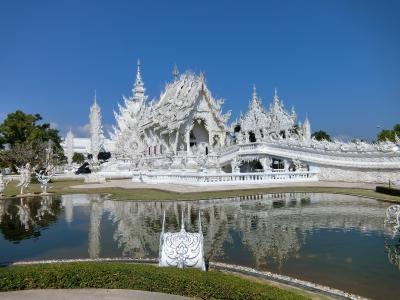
(187, 282)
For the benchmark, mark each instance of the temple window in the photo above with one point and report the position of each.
(252, 137)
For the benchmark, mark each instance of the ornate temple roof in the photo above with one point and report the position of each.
(179, 99)
(256, 116)
(276, 119)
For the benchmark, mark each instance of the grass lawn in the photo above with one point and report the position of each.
(64, 187)
(187, 282)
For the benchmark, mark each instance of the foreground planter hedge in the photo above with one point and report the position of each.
(188, 282)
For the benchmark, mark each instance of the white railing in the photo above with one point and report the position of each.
(224, 179)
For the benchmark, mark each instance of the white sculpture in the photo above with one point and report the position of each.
(95, 176)
(96, 130)
(44, 180)
(24, 177)
(3, 183)
(69, 141)
(182, 249)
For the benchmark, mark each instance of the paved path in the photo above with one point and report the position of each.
(87, 294)
(183, 188)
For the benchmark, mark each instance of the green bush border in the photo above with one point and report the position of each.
(118, 275)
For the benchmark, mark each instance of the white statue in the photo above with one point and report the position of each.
(44, 180)
(182, 249)
(3, 183)
(24, 177)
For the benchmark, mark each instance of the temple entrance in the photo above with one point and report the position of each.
(199, 137)
(277, 164)
(251, 166)
(252, 137)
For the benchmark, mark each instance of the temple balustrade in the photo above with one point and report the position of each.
(377, 160)
(226, 178)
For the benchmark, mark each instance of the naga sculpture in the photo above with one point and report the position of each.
(181, 249)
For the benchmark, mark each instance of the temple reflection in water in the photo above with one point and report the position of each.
(338, 239)
(260, 221)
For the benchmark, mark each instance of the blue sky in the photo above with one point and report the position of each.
(336, 61)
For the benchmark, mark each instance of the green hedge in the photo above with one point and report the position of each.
(188, 282)
(388, 191)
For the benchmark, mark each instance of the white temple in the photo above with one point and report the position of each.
(184, 137)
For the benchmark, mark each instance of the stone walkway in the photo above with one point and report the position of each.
(87, 294)
(183, 188)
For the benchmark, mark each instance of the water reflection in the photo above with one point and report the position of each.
(392, 243)
(271, 226)
(26, 217)
(338, 240)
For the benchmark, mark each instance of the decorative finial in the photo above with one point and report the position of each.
(138, 75)
(202, 77)
(254, 91)
(138, 88)
(175, 72)
(95, 96)
(276, 93)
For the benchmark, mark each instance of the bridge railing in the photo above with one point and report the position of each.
(225, 179)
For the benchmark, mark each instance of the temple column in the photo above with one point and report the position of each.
(176, 142)
(257, 135)
(286, 165)
(247, 137)
(222, 140)
(210, 140)
(263, 162)
(187, 136)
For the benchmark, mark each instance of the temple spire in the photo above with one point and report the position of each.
(138, 89)
(254, 92)
(175, 72)
(307, 129)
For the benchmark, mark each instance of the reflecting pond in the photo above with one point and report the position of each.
(335, 240)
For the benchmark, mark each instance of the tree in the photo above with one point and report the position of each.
(29, 141)
(19, 128)
(321, 135)
(387, 134)
(103, 156)
(78, 158)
